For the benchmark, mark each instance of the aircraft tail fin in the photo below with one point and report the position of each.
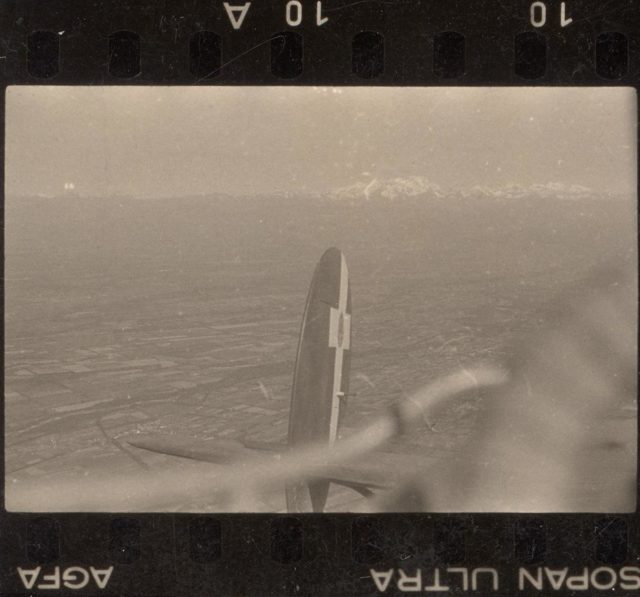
(321, 374)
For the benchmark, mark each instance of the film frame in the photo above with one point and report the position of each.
(376, 44)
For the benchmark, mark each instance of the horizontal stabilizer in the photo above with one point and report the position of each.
(361, 476)
(379, 470)
(254, 444)
(354, 477)
(204, 450)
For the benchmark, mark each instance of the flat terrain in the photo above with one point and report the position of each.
(126, 316)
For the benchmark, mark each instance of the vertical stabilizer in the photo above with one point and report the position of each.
(321, 375)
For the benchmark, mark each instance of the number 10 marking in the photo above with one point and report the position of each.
(538, 14)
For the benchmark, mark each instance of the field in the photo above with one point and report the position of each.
(126, 316)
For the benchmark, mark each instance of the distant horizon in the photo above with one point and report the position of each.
(183, 141)
(72, 194)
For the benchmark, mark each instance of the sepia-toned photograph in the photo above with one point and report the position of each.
(320, 299)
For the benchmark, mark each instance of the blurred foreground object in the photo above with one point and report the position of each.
(561, 435)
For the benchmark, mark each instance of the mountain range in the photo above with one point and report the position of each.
(398, 188)
(409, 188)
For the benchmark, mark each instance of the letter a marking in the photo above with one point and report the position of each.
(382, 579)
(236, 20)
(101, 577)
(29, 577)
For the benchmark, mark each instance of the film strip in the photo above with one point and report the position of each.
(379, 44)
(367, 55)
(154, 555)
(303, 44)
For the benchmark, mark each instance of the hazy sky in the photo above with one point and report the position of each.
(172, 141)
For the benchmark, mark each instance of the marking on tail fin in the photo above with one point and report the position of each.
(340, 339)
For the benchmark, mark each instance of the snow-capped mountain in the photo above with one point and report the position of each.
(393, 189)
(389, 188)
(476, 191)
(563, 191)
(550, 190)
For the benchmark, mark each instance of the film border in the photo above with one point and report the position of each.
(362, 43)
